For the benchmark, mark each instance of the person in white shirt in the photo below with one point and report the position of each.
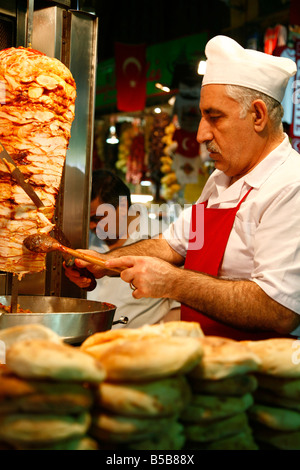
(241, 255)
(110, 193)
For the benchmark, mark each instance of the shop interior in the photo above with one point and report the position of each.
(155, 149)
(138, 119)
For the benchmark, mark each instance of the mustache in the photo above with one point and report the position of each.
(212, 147)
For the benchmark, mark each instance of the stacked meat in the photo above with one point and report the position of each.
(37, 99)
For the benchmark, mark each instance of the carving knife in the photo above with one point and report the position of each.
(20, 179)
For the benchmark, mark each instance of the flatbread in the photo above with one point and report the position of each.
(156, 398)
(43, 359)
(282, 387)
(232, 386)
(240, 441)
(280, 419)
(57, 398)
(169, 329)
(38, 428)
(268, 398)
(205, 408)
(148, 358)
(219, 429)
(81, 443)
(223, 358)
(123, 429)
(278, 356)
(25, 332)
(281, 440)
(172, 439)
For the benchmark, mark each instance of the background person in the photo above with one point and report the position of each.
(107, 189)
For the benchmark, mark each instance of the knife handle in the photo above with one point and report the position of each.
(84, 272)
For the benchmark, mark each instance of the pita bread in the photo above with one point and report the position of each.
(156, 398)
(172, 439)
(268, 398)
(60, 398)
(43, 359)
(280, 419)
(169, 329)
(205, 408)
(223, 358)
(81, 443)
(232, 386)
(38, 428)
(286, 388)
(281, 440)
(13, 386)
(147, 359)
(240, 441)
(219, 429)
(123, 429)
(278, 356)
(25, 332)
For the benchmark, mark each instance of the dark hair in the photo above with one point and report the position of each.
(109, 187)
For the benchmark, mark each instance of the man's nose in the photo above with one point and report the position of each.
(204, 132)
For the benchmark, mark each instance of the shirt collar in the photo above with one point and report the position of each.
(269, 164)
(218, 185)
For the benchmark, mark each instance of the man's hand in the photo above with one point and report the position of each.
(151, 277)
(81, 281)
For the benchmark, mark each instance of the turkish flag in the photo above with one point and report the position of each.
(131, 76)
(187, 144)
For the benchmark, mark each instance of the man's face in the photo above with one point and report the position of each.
(229, 138)
(94, 219)
(112, 221)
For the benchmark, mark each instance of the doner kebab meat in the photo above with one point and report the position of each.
(37, 104)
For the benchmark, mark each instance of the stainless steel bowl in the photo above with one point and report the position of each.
(72, 319)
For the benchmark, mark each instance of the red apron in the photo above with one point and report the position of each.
(218, 224)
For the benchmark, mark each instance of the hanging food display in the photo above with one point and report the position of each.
(169, 184)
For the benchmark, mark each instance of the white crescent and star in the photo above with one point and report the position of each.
(136, 62)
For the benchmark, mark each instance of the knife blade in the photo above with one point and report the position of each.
(19, 177)
(59, 235)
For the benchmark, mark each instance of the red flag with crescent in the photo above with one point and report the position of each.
(131, 77)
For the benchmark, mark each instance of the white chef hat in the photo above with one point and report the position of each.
(229, 63)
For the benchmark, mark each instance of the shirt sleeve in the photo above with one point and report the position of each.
(177, 234)
(277, 249)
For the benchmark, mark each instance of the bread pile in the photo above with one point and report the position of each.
(46, 394)
(275, 415)
(145, 390)
(222, 391)
(37, 97)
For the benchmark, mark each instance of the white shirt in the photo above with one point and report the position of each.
(117, 292)
(264, 244)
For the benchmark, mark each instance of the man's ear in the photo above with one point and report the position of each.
(260, 115)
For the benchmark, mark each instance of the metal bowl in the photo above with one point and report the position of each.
(72, 319)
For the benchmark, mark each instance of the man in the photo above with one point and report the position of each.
(244, 282)
(113, 225)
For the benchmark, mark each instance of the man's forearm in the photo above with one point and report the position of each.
(156, 247)
(241, 304)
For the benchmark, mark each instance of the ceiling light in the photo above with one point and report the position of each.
(112, 138)
(164, 88)
(142, 198)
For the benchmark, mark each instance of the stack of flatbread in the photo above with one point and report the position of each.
(222, 391)
(145, 390)
(275, 415)
(46, 393)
